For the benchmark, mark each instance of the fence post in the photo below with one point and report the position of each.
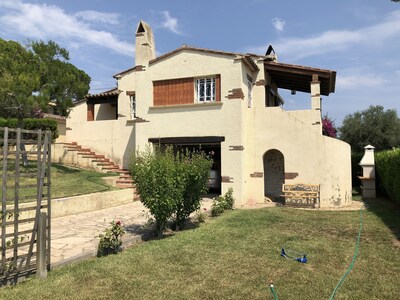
(41, 247)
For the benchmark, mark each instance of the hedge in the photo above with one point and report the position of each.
(388, 168)
(33, 124)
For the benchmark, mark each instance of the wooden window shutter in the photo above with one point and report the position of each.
(90, 112)
(218, 88)
(173, 91)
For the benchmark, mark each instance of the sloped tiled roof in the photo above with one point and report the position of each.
(112, 92)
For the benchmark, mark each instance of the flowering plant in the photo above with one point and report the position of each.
(328, 127)
(111, 240)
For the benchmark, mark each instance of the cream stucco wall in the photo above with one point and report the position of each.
(198, 119)
(113, 138)
(317, 159)
(255, 128)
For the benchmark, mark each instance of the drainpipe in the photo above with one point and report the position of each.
(368, 177)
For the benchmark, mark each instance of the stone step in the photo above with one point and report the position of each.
(88, 156)
(106, 163)
(126, 186)
(111, 167)
(124, 181)
(99, 160)
(86, 153)
(124, 176)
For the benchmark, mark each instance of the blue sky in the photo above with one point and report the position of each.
(360, 39)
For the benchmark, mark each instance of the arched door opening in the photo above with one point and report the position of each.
(274, 174)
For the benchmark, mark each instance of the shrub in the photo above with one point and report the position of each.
(195, 168)
(388, 168)
(201, 215)
(33, 124)
(155, 180)
(229, 200)
(328, 127)
(220, 204)
(111, 240)
(170, 185)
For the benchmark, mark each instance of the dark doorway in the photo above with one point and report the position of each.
(211, 147)
(274, 174)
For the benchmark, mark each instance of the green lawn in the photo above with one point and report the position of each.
(235, 255)
(65, 181)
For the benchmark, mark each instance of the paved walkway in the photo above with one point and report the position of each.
(76, 237)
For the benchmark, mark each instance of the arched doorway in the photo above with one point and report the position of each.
(274, 173)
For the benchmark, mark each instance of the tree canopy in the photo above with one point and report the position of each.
(32, 76)
(373, 126)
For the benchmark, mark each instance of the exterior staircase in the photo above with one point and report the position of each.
(101, 163)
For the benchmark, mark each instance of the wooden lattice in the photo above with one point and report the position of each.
(25, 193)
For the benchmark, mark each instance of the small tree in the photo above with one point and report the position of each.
(196, 169)
(170, 185)
(155, 179)
(373, 126)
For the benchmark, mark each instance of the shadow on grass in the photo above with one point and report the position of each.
(65, 169)
(388, 211)
(148, 230)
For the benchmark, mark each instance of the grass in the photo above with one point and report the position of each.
(65, 182)
(235, 255)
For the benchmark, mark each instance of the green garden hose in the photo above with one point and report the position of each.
(271, 286)
(354, 256)
(348, 269)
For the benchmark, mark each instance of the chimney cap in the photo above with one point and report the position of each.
(369, 147)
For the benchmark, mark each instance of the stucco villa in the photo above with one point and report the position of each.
(226, 104)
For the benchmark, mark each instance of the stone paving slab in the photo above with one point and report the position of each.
(75, 237)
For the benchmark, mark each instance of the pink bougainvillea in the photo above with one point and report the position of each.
(328, 127)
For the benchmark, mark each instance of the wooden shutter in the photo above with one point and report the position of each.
(174, 91)
(218, 88)
(90, 112)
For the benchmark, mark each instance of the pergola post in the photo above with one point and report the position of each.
(315, 93)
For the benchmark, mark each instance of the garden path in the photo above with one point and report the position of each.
(75, 237)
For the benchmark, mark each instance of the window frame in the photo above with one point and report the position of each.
(204, 98)
(132, 106)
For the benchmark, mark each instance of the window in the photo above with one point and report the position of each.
(249, 89)
(187, 90)
(132, 104)
(205, 89)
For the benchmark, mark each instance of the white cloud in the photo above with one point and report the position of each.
(337, 40)
(98, 17)
(359, 81)
(278, 23)
(170, 23)
(42, 21)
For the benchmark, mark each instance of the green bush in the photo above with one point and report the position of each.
(220, 204)
(388, 171)
(195, 167)
(170, 185)
(33, 124)
(111, 240)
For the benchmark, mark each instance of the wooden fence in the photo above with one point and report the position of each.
(25, 165)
